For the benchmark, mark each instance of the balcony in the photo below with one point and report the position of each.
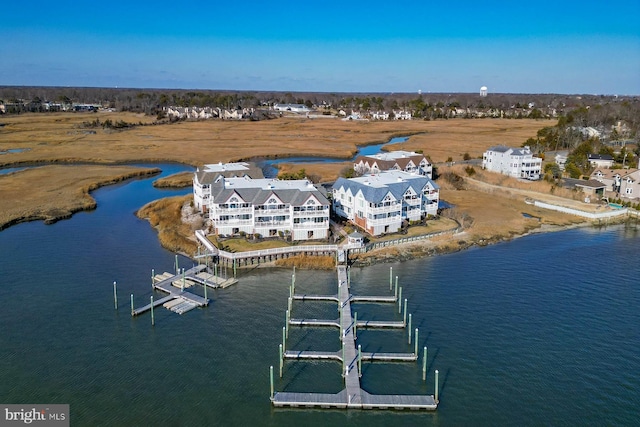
(231, 211)
(234, 222)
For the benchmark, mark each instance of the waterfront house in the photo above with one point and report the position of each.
(207, 175)
(514, 162)
(293, 108)
(600, 160)
(591, 188)
(269, 208)
(380, 203)
(624, 183)
(407, 161)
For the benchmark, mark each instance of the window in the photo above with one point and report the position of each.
(629, 191)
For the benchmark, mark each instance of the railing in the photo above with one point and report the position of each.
(377, 245)
(233, 222)
(232, 211)
(316, 248)
(277, 251)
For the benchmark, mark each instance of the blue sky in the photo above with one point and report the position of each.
(574, 47)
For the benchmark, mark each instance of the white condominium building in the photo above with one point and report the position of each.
(268, 207)
(203, 178)
(407, 161)
(379, 203)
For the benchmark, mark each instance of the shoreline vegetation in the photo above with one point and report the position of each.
(490, 207)
(60, 191)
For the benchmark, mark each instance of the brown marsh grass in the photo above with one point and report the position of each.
(165, 215)
(54, 192)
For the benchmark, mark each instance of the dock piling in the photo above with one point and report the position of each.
(424, 364)
(153, 321)
(396, 292)
(131, 305)
(343, 361)
(271, 376)
(437, 387)
(400, 300)
(286, 323)
(416, 349)
(360, 360)
(409, 328)
(153, 278)
(177, 268)
(284, 339)
(355, 325)
(405, 313)
(281, 360)
(115, 296)
(182, 288)
(390, 278)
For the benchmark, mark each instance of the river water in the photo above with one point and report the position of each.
(542, 330)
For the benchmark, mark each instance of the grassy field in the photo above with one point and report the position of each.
(55, 192)
(64, 137)
(490, 206)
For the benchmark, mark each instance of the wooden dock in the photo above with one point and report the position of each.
(179, 301)
(353, 396)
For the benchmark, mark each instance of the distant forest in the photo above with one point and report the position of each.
(572, 111)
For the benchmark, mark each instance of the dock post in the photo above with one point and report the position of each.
(355, 325)
(424, 364)
(405, 313)
(343, 361)
(205, 290)
(416, 350)
(396, 293)
(153, 320)
(281, 360)
(286, 323)
(182, 279)
(400, 300)
(177, 268)
(234, 268)
(437, 386)
(359, 360)
(289, 303)
(271, 375)
(215, 272)
(115, 296)
(131, 305)
(284, 340)
(390, 278)
(153, 278)
(409, 328)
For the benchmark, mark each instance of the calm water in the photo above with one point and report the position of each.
(544, 330)
(270, 166)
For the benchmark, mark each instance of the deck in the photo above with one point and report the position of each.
(179, 301)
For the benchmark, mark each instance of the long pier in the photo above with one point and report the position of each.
(353, 396)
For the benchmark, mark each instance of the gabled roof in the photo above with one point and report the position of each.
(258, 191)
(388, 160)
(375, 188)
(211, 172)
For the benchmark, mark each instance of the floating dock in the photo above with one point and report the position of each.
(353, 396)
(179, 301)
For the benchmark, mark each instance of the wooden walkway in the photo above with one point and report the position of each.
(174, 285)
(353, 396)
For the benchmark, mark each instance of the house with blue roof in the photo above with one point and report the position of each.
(379, 203)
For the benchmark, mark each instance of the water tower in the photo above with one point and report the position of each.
(483, 91)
